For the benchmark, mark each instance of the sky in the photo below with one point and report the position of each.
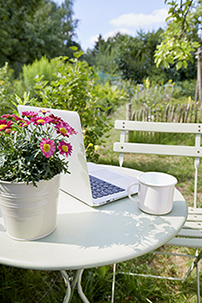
(107, 17)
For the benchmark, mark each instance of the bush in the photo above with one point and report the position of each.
(185, 88)
(75, 88)
(6, 94)
(153, 95)
(110, 96)
(39, 68)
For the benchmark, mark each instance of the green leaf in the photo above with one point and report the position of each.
(179, 65)
(74, 48)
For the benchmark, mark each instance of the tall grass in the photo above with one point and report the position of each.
(22, 286)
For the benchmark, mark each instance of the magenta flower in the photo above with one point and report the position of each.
(44, 111)
(29, 114)
(16, 118)
(47, 147)
(5, 125)
(65, 148)
(65, 129)
(40, 120)
(24, 123)
(55, 119)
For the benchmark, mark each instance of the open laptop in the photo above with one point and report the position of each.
(84, 177)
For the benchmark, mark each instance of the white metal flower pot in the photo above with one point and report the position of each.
(29, 212)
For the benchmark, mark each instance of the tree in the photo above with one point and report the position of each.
(130, 57)
(134, 55)
(182, 37)
(33, 28)
(180, 40)
(133, 58)
(102, 55)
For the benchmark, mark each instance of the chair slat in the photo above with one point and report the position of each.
(184, 242)
(197, 210)
(167, 127)
(158, 149)
(190, 233)
(193, 225)
(194, 218)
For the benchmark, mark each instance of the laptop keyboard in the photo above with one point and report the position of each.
(102, 188)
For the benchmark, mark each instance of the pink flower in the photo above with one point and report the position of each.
(40, 120)
(16, 118)
(5, 125)
(24, 123)
(65, 148)
(65, 129)
(55, 119)
(47, 147)
(44, 111)
(29, 114)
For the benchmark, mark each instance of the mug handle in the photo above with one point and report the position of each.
(129, 188)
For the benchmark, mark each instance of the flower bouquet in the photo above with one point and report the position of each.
(33, 152)
(34, 147)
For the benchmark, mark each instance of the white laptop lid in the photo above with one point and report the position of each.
(77, 183)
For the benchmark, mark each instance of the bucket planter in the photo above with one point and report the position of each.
(34, 151)
(29, 212)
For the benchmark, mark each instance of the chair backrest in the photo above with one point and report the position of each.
(148, 148)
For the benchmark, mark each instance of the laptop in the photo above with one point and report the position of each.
(84, 178)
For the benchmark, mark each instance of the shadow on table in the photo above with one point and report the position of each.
(112, 227)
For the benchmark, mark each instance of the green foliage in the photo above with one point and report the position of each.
(21, 285)
(111, 96)
(102, 56)
(153, 95)
(127, 56)
(166, 102)
(133, 58)
(39, 68)
(71, 84)
(75, 88)
(5, 90)
(180, 38)
(30, 29)
(185, 88)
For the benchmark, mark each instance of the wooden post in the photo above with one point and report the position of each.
(128, 117)
(198, 82)
(128, 111)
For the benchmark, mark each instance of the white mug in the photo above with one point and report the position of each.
(155, 193)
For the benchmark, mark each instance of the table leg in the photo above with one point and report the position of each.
(68, 286)
(76, 281)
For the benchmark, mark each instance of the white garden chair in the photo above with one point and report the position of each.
(191, 233)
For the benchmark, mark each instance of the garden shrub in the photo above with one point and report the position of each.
(39, 68)
(185, 88)
(75, 88)
(110, 95)
(6, 93)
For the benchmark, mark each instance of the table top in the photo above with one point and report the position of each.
(87, 237)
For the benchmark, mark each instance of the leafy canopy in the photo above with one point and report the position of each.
(33, 28)
(180, 40)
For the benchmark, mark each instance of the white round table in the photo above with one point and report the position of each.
(88, 237)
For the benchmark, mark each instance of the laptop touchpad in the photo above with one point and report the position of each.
(107, 174)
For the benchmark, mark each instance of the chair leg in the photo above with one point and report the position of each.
(113, 282)
(197, 276)
(198, 284)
